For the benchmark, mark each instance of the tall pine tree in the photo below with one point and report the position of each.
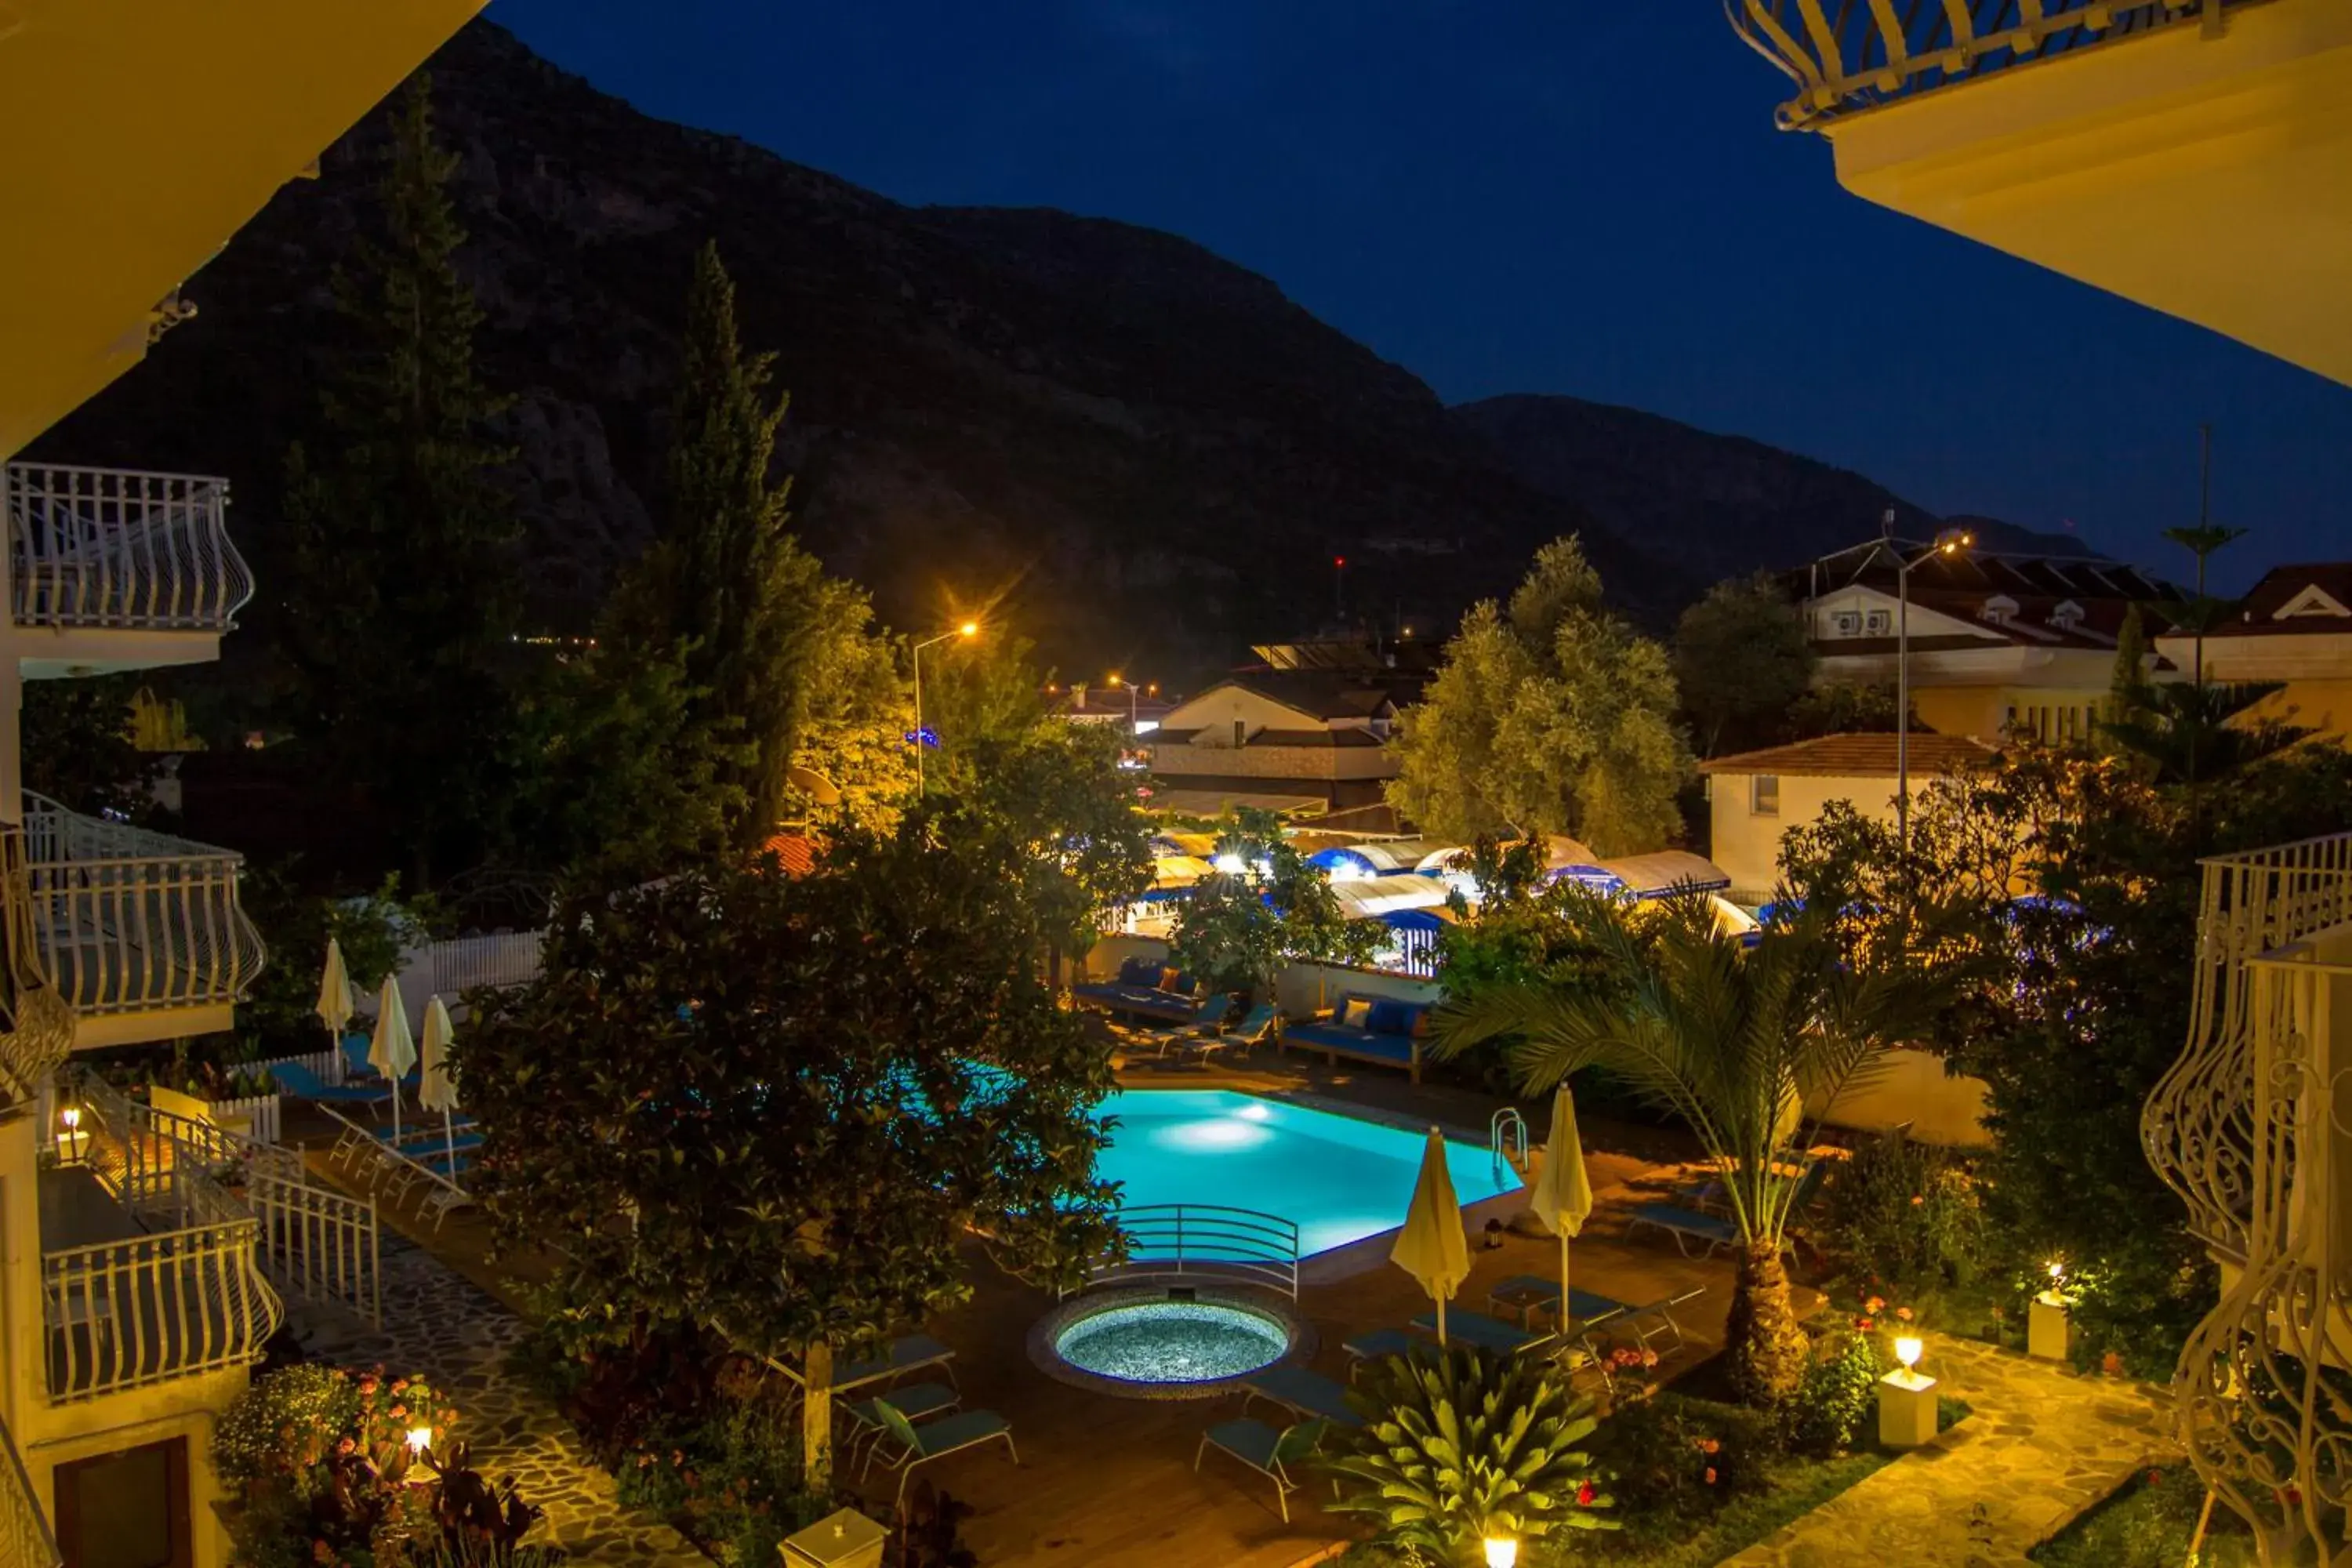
(727, 586)
(404, 589)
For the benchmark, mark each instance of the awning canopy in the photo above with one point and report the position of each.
(1217, 802)
(1378, 896)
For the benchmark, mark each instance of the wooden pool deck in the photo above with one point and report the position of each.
(1107, 1483)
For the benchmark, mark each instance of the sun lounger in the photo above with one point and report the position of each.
(1659, 1317)
(1487, 1333)
(1211, 1017)
(1261, 1448)
(1302, 1392)
(915, 1401)
(355, 1060)
(934, 1440)
(1528, 1294)
(1688, 1227)
(1256, 1027)
(303, 1084)
(1374, 1344)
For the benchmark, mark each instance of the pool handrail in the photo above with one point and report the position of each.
(1210, 1242)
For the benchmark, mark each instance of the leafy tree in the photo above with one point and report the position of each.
(1741, 660)
(1458, 1445)
(1731, 1040)
(1264, 909)
(1844, 708)
(616, 782)
(854, 737)
(2128, 690)
(1557, 717)
(2070, 1001)
(1058, 794)
(727, 586)
(976, 691)
(778, 1106)
(280, 1014)
(403, 588)
(76, 746)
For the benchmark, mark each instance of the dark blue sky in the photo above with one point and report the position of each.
(1526, 195)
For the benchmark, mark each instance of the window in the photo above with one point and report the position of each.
(1881, 622)
(126, 1510)
(1241, 733)
(1764, 796)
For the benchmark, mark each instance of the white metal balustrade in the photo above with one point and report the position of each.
(116, 548)
(1205, 1242)
(127, 919)
(1849, 56)
(37, 1027)
(24, 1538)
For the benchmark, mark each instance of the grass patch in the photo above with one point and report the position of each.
(2148, 1525)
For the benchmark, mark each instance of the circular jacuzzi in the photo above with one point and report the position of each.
(1163, 1345)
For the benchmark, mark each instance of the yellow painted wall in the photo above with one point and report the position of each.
(1748, 846)
(135, 139)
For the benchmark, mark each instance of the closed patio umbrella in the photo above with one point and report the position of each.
(335, 1006)
(1563, 1195)
(439, 1090)
(392, 1051)
(1432, 1246)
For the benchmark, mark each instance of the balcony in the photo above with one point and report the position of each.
(2188, 154)
(114, 550)
(138, 932)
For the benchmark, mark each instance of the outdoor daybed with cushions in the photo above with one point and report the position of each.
(1145, 987)
(1368, 1028)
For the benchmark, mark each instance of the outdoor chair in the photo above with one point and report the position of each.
(1374, 1344)
(1261, 1448)
(915, 1401)
(1256, 1027)
(1209, 1018)
(1302, 1392)
(936, 1440)
(355, 1060)
(1659, 1316)
(1688, 1227)
(443, 1199)
(1528, 1294)
(1464, 1326)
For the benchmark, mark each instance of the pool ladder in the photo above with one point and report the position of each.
(1505, 1127)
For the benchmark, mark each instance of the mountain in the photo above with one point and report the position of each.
(1727, 504)
(1130, 450)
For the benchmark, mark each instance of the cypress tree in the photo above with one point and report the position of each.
(727, 586)
(404, 589)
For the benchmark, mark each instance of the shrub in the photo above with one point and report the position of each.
(728, 1476)
(1839, 1398)
(1908, 1212)
(1459, 1446)
(1684, 1454)
(282, 1428)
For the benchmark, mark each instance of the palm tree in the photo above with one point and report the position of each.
(1732, 1040)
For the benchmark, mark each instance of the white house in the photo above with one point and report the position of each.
(1308, 743)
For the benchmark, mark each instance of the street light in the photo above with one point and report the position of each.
(1134, 695)
(967, 629)
(1951, 541)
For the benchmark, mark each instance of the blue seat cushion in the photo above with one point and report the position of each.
(1143, 971)
(1361, 1042)
(1389, 1016)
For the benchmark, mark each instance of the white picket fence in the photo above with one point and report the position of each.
(447, 969)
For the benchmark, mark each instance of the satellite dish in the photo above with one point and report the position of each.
(821, 790)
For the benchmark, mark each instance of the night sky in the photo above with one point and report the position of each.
(1526, 195)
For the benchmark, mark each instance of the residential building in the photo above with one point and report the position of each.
(135, 1292)
(1306, 741)
(1997, 641)
(1756, 797)
(1138, 711)
(2295, 628)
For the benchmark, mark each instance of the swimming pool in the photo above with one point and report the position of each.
(1338, 1178)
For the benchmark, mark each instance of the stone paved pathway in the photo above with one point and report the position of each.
(2040, 1447)
(437, 1323)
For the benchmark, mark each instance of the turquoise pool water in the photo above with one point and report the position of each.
(1338, 1179)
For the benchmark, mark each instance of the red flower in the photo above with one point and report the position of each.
(1710, 1475)
(1710, 1448)
(1876, 1304)
(1585, 1494)
(1861, 1323)
(1904, 1313)
(399, 1413)
(2154, 1477)
(1917, 1200)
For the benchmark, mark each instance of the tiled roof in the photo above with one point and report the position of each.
(795, 852)
(1855, 756)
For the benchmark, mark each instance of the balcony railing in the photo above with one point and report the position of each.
(127, 920)
(1850, 56)
(24, 1538)
(36, 1028)
(2202, 1127)
(118, 549)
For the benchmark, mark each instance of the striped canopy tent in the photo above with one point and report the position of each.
(1378, 897)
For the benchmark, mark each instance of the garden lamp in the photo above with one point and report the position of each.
(1907, 1350)
(1502, 1551)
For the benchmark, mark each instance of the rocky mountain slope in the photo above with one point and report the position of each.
(1140, 452)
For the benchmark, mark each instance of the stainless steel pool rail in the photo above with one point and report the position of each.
(1505, 1127)
(1176, 1243)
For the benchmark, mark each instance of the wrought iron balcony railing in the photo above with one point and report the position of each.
(2203, 1128)
(1850, 56)
(127, 920)
(36, 1025)
(25, 1537)
(118, 549)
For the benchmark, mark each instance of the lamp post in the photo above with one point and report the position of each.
(1951, 541)
(968, 629)
(1134, 697)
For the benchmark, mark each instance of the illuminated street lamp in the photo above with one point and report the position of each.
(1951, 541)
(1134, 697)
(967, 629)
